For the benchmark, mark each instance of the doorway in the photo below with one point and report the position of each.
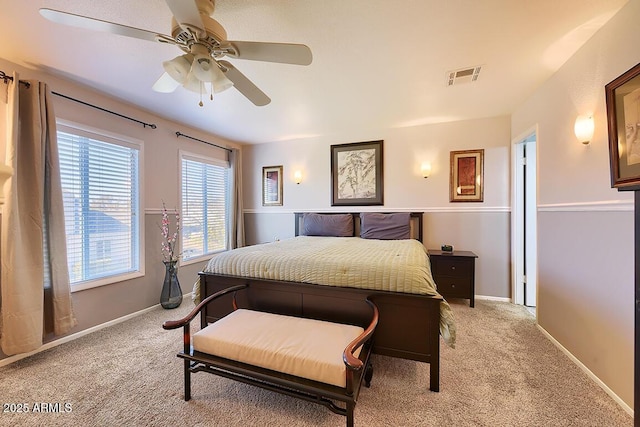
(524, 219)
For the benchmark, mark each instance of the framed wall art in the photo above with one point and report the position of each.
(356, 174)
(623, 123)
(272, 186)
(466, 183)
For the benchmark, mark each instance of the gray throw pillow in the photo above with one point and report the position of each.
(382, 226)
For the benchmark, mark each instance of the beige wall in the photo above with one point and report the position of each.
(479, 227)
(160, 183)
(585, 228)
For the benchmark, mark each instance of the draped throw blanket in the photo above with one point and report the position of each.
(33, 229)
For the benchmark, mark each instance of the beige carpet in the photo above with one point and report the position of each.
(503, 372)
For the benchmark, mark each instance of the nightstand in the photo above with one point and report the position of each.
(454, 273)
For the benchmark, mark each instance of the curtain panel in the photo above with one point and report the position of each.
(236, 222)
(33, 240)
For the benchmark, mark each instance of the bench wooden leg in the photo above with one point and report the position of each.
(187, 381)
(368, 375)
(350, 407)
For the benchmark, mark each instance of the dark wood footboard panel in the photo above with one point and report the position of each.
(408, 326)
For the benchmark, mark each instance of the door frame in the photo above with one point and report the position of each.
(517, 218)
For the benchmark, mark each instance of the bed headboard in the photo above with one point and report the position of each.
(415, 223)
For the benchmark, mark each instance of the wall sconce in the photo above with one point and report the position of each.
(425, 169)
(297, 177)
(583, 129)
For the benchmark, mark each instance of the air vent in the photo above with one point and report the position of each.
(464, 75)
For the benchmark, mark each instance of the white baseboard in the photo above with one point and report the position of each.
(590, 374)
(65, 339)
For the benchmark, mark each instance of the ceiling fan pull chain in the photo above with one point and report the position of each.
(211, 87)
(201, 87)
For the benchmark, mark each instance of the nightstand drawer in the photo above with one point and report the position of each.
(450, 286)
(459, 267)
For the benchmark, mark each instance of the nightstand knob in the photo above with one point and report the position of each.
(453, 286)
(453, 267)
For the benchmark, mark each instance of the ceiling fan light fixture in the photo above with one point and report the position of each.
(192, 82)
(179, 67)
(203, 67)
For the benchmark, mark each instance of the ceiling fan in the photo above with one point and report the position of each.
(204, 42)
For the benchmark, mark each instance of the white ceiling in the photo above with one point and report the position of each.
(376, 64)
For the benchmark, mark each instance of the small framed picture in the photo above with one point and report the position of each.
(466, 183)
(623, 123)
(272, 186)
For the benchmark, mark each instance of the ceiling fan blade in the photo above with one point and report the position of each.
(186, 13)
(99, 25)
(165, 84)
(286, 53)
(244, 85)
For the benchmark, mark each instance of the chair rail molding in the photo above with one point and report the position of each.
(601, 206)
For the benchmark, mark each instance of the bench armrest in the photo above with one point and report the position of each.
(349, 359)
(174, 324)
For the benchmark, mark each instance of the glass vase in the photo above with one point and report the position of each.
(171, 295)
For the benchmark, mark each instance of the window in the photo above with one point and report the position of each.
(100, 185)
(205, 190)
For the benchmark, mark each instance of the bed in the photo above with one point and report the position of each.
(334, 262)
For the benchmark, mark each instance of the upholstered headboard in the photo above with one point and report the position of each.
(415, 223)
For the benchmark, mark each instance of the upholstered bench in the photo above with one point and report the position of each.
(316, 360)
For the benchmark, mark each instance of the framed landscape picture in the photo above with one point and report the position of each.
(466, 183)
(356, 174)
(272, 186)
(623, 123)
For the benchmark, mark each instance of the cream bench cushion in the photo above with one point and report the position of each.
(303, 347)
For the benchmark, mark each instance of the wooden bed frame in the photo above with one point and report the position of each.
(408, 327)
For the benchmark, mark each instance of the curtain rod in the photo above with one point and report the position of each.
(6, 79)
(151, 125)
(179, 134)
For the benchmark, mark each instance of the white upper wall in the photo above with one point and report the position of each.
(570, 171)
(404, 151)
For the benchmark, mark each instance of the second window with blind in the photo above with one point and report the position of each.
(205, 200)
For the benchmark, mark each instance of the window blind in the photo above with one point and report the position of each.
(100, 184)
(205, 189)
